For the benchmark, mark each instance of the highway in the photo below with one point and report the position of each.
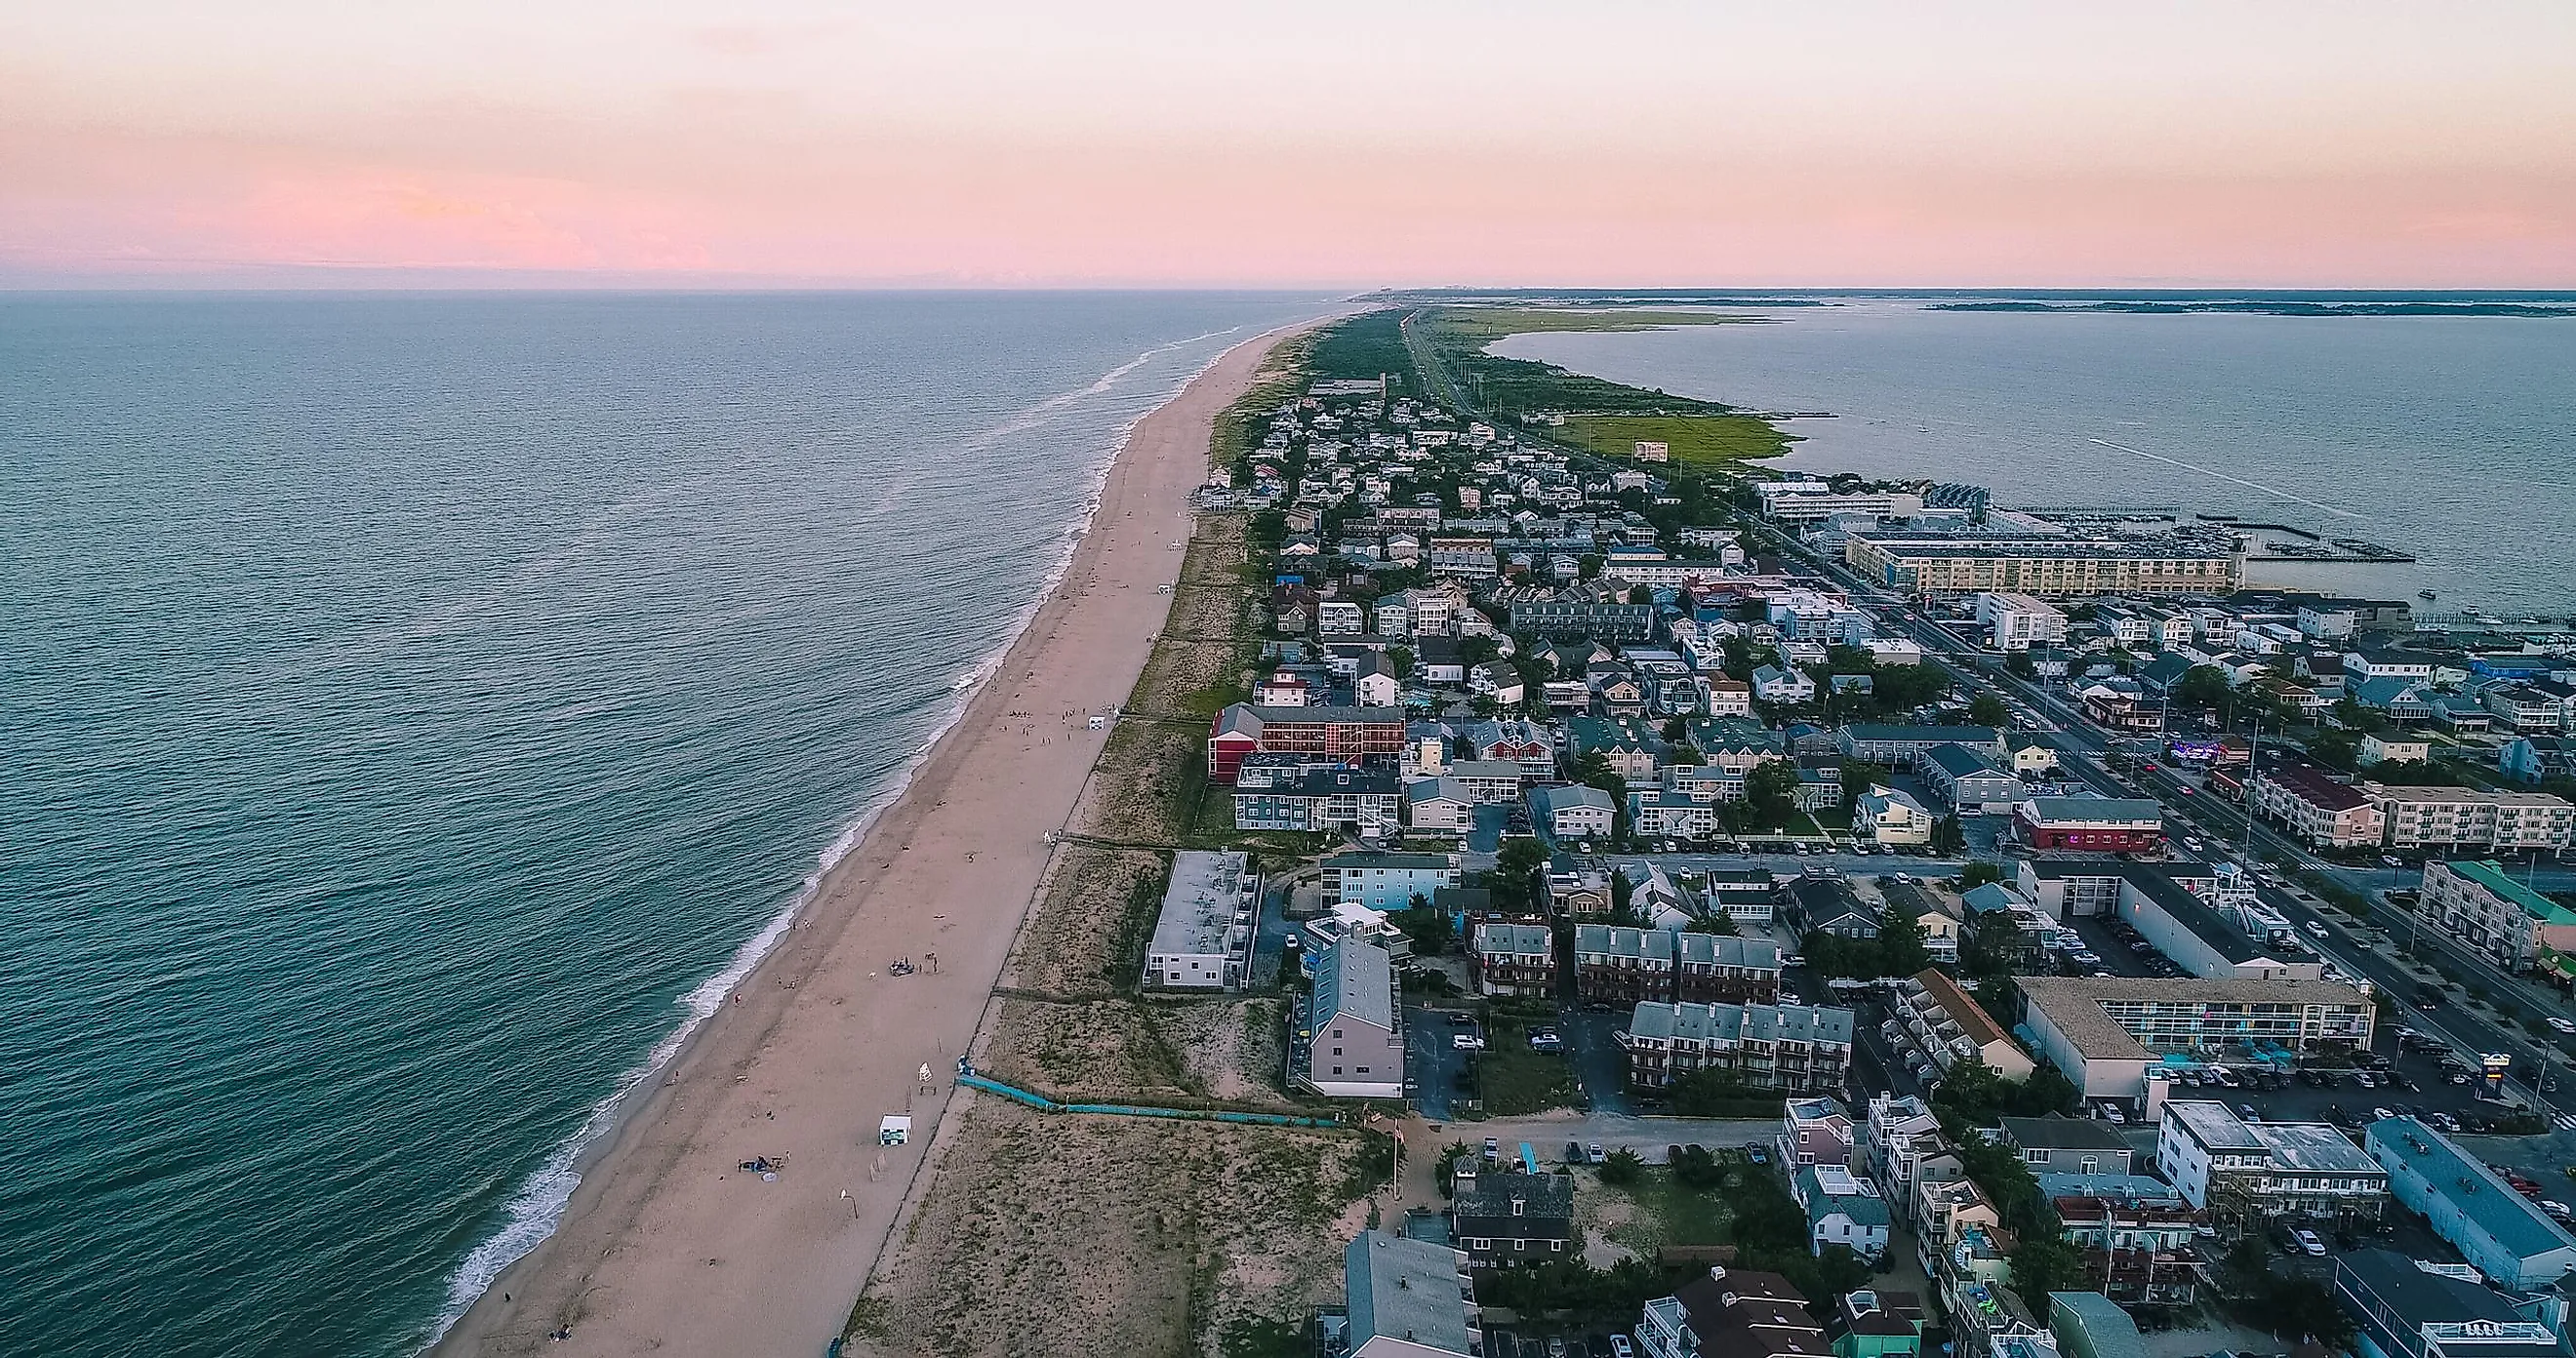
(2541, 1070)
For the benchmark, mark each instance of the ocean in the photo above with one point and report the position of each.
(418, 709)
(2452, 439)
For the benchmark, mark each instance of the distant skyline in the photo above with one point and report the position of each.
(1322, 145)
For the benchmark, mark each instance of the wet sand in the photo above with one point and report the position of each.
(668, 1245)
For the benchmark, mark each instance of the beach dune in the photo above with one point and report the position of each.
(668, 1245)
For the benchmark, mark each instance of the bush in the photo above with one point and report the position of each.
(1622, 1167)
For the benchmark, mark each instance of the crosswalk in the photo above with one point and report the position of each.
(2565, 1122)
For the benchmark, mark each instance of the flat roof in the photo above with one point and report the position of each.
(2064, 1133)
(1200, 904)
(2315, 1146)
(2516, 1222)
(2127, 811)
(2194, 914)
(2073, 1004)
(2213, 1125)
(2491, 876)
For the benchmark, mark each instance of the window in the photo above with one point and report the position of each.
(1337, 1070)
(1364, 1070)
(1337, 1051)
(1520, 1244)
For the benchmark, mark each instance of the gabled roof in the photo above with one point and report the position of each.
(1355, 980)
(1407, 1289)
(2065, 1134)
(1546, 1197)
(1959, 761)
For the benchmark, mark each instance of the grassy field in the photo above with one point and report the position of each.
(1361, 348)
(1516, 1080)
(1492, 323)
(1696, 440)
(1662, 1212)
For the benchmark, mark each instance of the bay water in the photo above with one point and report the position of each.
(415, 710)
(2450, 438)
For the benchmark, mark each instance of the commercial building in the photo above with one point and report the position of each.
(2017, 622)
(2478, 904)
(2405, 1308)
(2049, 565)
(1513, 959)
(1386, 881)
(1801, 1049)
(2091, 824)
(1349, 1038)
(2242, 1173)
(2503, 1234)
(1948, 1026)
(1806, 501)
(2311, 804)
(2106, 1032)
(1408, 1299)
(2201, 919)
(2449, 817)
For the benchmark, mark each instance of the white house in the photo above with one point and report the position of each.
(1773, 684)
(1573, 812)
(1890, 816)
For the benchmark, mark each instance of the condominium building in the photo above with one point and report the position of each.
(2313, 805)
(2476, 903)
(2242, 1172)
(2449, 816)
(1203, 937)
(1513, 959)
(2049, 565)
(2017, 622)
(1802, 1049)
(1615, 964)
(1947, 1027)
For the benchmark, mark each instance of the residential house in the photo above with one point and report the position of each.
(1438, 806)
(1515, 740)
(1505, 1220)
(1573, 811)
(2091, 1325)
(1783, 687)
(1731, 1313)
(2063, 1145)
(1284, 688)
(1842, 1209)
(1729, 697)
(2533, 759)
(1970, 780)
(1377, 684)
(1814, 1131)
(1875, 1324)
(1902, 1148)
(2137, 1241)
(1826, 903)
(1890, 817)
(1386, 881)
(1513, 959)
(2387, 749)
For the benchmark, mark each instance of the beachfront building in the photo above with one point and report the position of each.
(1801, 1049)
(1348, 1038)
(1321, 800)
(1508, 1220)
(1513, 959)
(1203, 937)
(2478, 904)
(1615, 964)
(1731, 1313)
(1408, 1298)
(1350, 733)
(2502, 1233)
(1725, 969)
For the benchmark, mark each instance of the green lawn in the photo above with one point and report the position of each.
(1515, 1080)
(1696, 440)
(1669, 1214)
(1492, 323)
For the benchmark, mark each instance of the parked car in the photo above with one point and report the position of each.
(1493, 1150)
(1467, 1042)
(2380, 1115)
(1574, 1153)
(1546, 1040)
(1597, 1155)
(2309, 1243)
(1620, 1347)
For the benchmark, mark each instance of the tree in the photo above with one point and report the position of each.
(1514, 880)
(1859, 776)
(2336, 750)
(1676, 730)
(1641, 594)
(1588, 566)
(1988, 710)
(1978, 873)
(1431, 930)
(1476, 650)
(2202, 686)
(2020, 663)
(1622, 892)
(1900, 946)
(1400, 659)
(1994, 946)
(1718, 923)
(1622, 1166)
(1771, 792)
(1948, 836)
(2044, 1264)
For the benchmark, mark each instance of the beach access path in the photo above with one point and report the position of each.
(667, 1244)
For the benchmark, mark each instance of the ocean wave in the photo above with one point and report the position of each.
(537, 1207)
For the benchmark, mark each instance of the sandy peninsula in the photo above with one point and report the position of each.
(668, 1245)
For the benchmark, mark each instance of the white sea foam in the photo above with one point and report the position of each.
(537, 1207)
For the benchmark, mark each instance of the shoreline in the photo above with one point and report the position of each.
(660, 1203)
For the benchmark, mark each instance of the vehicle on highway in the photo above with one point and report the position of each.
(2380, 1115)
(2318, 930)
(2560, 1025)
(1458, 1020)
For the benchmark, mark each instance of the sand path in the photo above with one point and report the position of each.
(667, 1245)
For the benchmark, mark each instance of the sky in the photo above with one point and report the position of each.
(1608, 143)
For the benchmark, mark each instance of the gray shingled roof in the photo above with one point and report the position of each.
(1355, 980)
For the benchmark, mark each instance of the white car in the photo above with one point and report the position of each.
(1467, 1042)
(2560, 1025)
(2318, 930)
(2309, 1243)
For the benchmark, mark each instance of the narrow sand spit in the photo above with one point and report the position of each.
(668, 1245)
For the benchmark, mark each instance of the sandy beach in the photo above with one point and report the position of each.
(668, 1245)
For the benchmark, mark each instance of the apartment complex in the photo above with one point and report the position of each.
(2476, 903)
(1803, 1049)
(2311, 804)
(2445, 817)
(2243, 1172)
(1203, 937)
(2049, 565)
(1948, 1026)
